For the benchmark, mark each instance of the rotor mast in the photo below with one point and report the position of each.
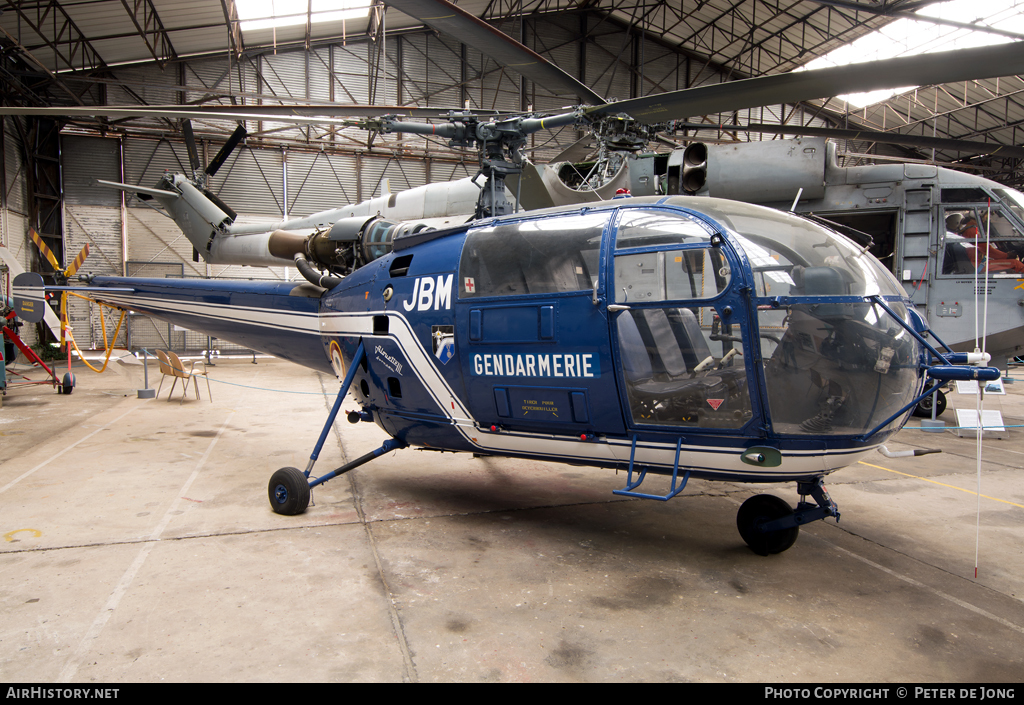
(500, 143)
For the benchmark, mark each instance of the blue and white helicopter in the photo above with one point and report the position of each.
(682, 336)
(673, 335)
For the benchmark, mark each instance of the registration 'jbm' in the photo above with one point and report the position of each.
(427, 295)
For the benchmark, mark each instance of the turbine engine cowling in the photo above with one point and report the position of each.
(348, 244)
(772, 171)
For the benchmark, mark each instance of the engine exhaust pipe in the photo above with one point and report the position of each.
(906, 453)
(325, 281)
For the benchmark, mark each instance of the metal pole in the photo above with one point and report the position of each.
(146, 393)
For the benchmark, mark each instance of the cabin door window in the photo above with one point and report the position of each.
(680, 364)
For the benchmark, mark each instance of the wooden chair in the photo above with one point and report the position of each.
(172, 366)
(192, 373)
(165, 371)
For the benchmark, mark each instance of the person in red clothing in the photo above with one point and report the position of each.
(998, 261)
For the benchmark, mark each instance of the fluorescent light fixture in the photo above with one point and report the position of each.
(268, 14)
(906, 37)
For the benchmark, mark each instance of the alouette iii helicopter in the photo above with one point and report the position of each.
(670, 335)
(674, 335)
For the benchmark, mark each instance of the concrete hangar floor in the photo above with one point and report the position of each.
(139, 546)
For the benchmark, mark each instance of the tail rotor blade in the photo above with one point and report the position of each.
(190, 144)
(37, 238)
(73, 267)
(226, 150)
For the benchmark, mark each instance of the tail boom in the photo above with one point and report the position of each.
(277, 318)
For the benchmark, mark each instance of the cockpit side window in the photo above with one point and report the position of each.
(681, 364)
(677, 373)
(694, 271)
(545, 256)
(668, 275)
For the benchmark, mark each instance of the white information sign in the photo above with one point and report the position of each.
(991, 423)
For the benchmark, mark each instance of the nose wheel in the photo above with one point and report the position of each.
(769, 525)
(755, 513)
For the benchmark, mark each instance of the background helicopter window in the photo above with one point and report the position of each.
(881, 226)
(836, 369)
(544, 256)
(643, 228)
(964, 195)
(677, 374)
(1014, 200)
(964, 250)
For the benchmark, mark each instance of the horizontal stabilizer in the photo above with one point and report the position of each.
(29, 297)
(138, 189)
(48, 315)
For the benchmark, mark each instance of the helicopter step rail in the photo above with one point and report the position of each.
(627, 491)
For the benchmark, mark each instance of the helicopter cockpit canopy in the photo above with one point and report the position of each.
(832, 365)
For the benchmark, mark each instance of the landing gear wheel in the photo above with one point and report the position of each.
(924, 407)
(289, 491)
(67, 383)
(761, 509)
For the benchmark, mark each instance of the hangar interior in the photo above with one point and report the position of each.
(462, 599)
(208, 54)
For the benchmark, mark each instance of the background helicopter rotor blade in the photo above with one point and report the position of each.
(237, 136)
(923, 141)
(190, 144)
(73, 267)
(453, 21)
(797, 86)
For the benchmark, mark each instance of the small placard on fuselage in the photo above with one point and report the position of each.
(542, 404)
(949, 310)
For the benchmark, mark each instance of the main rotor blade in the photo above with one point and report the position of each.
(992, 149)
(237, 136)
(298, 114)
(796, 86)
(455, 22)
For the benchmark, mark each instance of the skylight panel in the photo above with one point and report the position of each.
(906, 37)
(271, 14)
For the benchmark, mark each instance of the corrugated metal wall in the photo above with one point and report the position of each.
(92, 215)
(319, 181)
(14, 214)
